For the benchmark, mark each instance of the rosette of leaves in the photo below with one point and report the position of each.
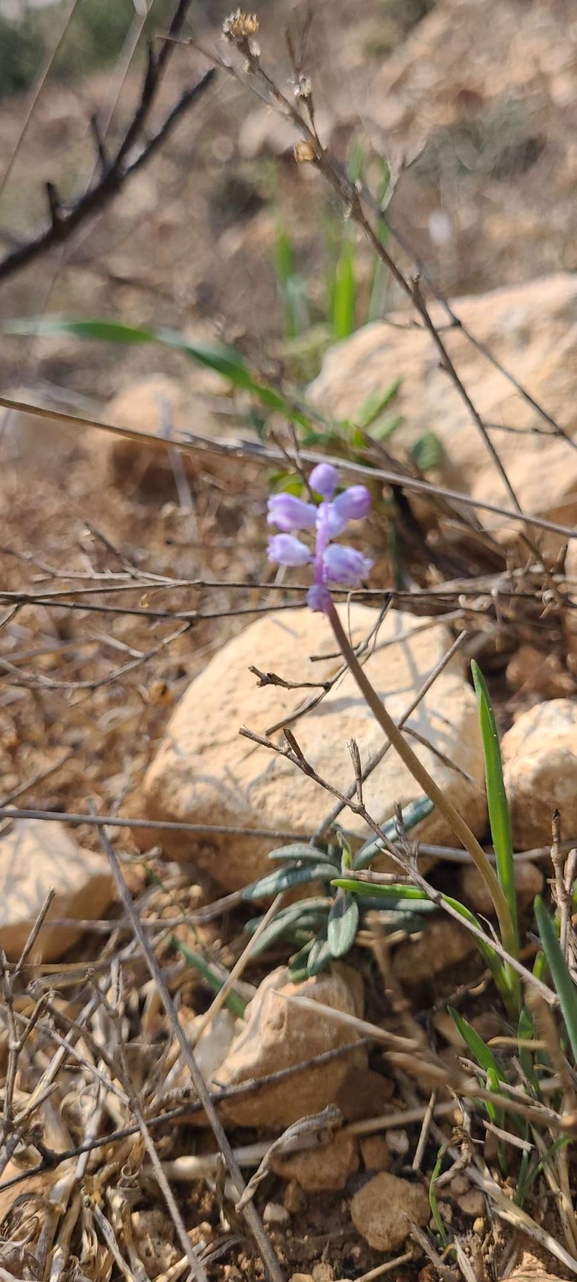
(324, 927)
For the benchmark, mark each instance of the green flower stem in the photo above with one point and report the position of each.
(423, 778)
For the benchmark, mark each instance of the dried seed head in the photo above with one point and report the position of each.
(304, 152)
(303, 87)
(239, 26)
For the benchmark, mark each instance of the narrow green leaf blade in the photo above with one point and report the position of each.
(344, 294)
(564, 986)
(499, 815)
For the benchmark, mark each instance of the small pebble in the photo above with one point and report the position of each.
(472, 1203)
(274, 1213)
(398, 1142)
(294, 1198)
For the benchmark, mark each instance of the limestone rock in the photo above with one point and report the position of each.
(279, 1033)
(384, 1209)
(531, 329)
(473, 891)
(205, 772)
(530, 671)
(34, 857)
(167, 409)
(321, 1169)
(540, 760)
(364, 1093)
(443, 943)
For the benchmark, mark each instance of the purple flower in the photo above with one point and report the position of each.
(289, 513)
(332, 563)
(318, 597)
(324, 479)
(286, 550)
(345, 565)
(353, 504)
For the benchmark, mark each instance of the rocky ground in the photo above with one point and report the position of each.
(137, 600)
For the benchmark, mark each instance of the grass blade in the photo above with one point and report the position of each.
(344, 291)
(499, 816)
(236, 1004)
(216, 356)
(564, 986)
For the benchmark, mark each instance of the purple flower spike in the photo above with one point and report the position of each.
(289, 513)
(286, 550)
(345, 565)
(324, 479)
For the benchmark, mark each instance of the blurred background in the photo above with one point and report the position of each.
(463, 115)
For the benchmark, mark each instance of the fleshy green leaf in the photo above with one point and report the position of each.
(343, 924)
(320, 955)
(309, 911)
(300, 852)
(284, 878)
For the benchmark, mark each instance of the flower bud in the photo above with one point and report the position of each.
(353, 504)
(289, 513)
(324, 479)
(286, 550)
(345, 565)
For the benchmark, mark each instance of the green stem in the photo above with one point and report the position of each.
(423, 778)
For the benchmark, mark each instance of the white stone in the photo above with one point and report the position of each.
(540, 760)
(205, 772)
(36, 856)
(532, 330)
(280, 1031)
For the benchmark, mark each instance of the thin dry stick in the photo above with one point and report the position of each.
(236, 972)
(191, 1107)
(266, 454)
(185, 1242)
(377, 757)
(252, 1218)
(427, 783)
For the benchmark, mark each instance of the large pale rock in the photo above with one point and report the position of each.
(280, 1032)
(384, 1209)
(34, 858)
(204, 772)
(532, 330)
(540, 758)
(168, 410)
(473, 890)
